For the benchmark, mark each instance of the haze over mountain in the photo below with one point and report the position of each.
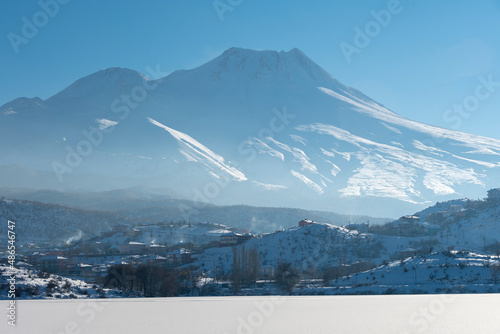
(261, 128)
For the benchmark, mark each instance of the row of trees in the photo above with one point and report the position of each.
(246, 270)
(246, 267)
(152, 281)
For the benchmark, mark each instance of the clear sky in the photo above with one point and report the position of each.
(424, 59)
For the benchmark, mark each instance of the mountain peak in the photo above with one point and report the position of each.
(291, 65)
(20, 103)
(103, 81)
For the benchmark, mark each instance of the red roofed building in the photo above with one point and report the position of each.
(305, 222)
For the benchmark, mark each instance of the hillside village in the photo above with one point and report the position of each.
(451, 246)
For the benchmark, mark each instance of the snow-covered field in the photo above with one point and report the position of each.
(313, 314)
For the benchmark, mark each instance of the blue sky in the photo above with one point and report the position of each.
(431, 56)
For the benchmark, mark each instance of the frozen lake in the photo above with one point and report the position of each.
(274, 314)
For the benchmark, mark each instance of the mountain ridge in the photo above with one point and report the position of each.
(295, 135)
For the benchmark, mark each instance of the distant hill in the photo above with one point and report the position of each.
(37, 222)
(150, 205)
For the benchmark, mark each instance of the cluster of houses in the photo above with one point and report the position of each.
(55, 262)
(412, 225)
(91, 258)
(223, 236)
(233, 239)
(52, 262)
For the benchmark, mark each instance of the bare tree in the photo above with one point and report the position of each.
(236, 277)
(495, 271)
(287, 277)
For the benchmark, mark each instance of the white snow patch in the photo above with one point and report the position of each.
(266, 149)
(335, 169)
(308, 182)
(187, 156)
(394, 176)
(327, 153)
(298, 154)
(201, 151)
(477, 143)
(9, 112)
(273, 187)
(299, 139)
(395, 143)
(105, 123)
(382, 178)
(391, 128)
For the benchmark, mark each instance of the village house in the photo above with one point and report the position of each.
(408, 226)
(33, 258)
(82, 269)
(95, 247)
(53, 264)
(431, 227)
(156, 260)
(229, 239)
(410, 219)
(452, 210)
(306, 222)
(267, 272)
(233, 239)
(133, 248)
(157, 249)
(179, 257)
(55, 252)
(131, 232)
(408, 252)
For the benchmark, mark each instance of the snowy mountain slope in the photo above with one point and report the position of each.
(477, 230)
(253, 127)
(463, 225)
(449, 272)
(313, 247)
(29, 285)
(201, 154)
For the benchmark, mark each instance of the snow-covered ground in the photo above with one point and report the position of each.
(452, 271)
(30, 285)
(457, 314)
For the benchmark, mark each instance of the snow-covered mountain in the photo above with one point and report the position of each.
(261, 128)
